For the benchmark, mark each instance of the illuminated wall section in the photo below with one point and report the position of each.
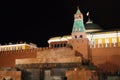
(16, 47)
(118, 39)
(105, 39)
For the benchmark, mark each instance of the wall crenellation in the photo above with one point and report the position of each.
(25, 50)
(108, 45)
(46, 48)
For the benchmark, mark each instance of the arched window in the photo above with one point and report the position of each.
(99, 42)
(10, 78)
(81, 36)
(7, 48)
(91, 43)
(19, 47)
(61, 45)
(3, 78)
(106, 42)
(114, 41)
(52, 45)
(64, 45)
(75, 36)
(55, 45)
(13, 48)
(3, 49)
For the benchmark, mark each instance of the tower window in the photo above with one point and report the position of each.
(81, 36)
(75, 36)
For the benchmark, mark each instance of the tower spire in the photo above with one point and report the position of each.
(78, 25)
(79, 40)
(78, 10)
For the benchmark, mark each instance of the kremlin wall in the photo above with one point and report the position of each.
(86, 54)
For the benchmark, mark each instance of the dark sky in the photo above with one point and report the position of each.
(37, 21)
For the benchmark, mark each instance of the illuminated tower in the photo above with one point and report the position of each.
(79, 39)
(78, 30)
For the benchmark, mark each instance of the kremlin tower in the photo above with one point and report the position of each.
(79, 40)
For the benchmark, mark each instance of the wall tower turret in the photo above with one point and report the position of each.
(79, 40)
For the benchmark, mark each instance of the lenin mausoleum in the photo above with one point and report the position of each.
(88, 53)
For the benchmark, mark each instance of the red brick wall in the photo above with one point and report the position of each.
(7, 59)
(107, 59)
(55, 55)
(80, 45)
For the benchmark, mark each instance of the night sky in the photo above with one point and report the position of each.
(37, 21)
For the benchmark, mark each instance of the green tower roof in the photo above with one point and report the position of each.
(78, 11)
(78, 25)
